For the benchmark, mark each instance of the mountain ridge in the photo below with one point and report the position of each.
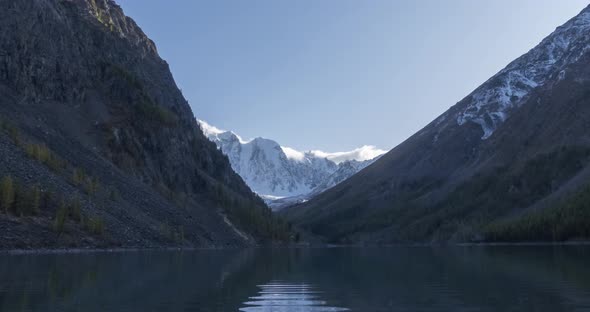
(510, 145)
(282, 175)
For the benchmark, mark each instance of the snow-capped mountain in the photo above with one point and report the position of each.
(345, 170)
(282, 175)
(490, 104)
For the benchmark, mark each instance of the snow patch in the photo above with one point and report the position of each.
(212, 132)
(293, 154)
(270, 197)
(208, 129)
(363, 153)
(490, 104)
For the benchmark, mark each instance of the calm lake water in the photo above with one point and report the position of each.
(493, 278)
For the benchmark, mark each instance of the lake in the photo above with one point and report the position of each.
(471, 278)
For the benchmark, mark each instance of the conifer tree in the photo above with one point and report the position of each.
(7, 193)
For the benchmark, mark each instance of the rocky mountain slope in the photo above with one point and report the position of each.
(283, 176)
(515, 149)
(97, 144)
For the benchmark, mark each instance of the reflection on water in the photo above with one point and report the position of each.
(282, 296)
(405, 279)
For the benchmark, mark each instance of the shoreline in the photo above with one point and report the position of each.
(300, 246)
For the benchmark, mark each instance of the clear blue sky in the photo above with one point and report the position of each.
(337, 74)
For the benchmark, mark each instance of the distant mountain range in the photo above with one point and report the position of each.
(282, 175)
(509, 162)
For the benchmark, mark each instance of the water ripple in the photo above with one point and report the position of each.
(279, 296)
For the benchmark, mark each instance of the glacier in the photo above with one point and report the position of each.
(282, 175)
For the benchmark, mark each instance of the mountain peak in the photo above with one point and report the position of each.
(111, 16)
(293, 154)
(277, 172)
(215, 134)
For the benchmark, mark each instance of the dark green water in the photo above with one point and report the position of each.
(494, 278)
